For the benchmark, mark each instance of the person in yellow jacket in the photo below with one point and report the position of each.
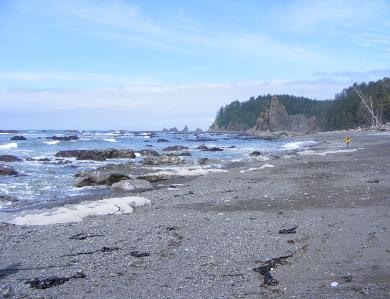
(347, 141)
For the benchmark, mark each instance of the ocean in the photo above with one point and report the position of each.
(43, 178)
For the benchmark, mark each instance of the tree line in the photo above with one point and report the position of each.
(347, 110)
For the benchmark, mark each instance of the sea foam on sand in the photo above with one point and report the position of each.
(77, 212)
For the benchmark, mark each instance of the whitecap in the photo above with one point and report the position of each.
(52, 142)
(110, 140)
(9, 145)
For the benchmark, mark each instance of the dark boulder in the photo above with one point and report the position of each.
(165, 159)
(255, 154)
(9, 158)
(63, 138)
(149, 153)
(7, 170)
(97, 155)
(98, 179)
(175, 148)
(184, 154)
(162, 140)
(18, 138)
(209, 149)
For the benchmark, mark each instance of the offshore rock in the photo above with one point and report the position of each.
(171, 159)
(276, 119)
(9, 158)
(18, 138)
(7, 170)
(63, 138)
(175, 148)
(97, 155)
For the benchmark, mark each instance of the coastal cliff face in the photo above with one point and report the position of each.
(276, 119)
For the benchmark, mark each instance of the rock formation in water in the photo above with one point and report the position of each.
(276, 119)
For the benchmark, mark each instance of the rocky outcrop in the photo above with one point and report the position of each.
(175, 148)
(19, 137)
(276, 119)
(185, 130)
(63, 138)
(98, 179)
(209, 149)
(97, 155)
(7, 170)
(165, 159)
(149, 153)
(9, 158)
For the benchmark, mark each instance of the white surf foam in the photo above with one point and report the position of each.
(186, 171)
(9, 145)
(77, 212)
(110, 140)
(295, 145)
(52, 142)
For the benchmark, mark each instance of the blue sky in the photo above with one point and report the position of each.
(153, 64)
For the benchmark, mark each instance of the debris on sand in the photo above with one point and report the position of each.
(139, 253)
(288, 230)
(375, 181)
(266, 267)
(45, 283)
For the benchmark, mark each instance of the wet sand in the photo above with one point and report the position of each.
(203, 239)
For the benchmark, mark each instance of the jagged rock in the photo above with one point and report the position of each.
(255, 154)
(175, 148)
(173, 130)
(198, 130)
(149, 153)
(209, 149)
(185, 130)
(63, 138)
(7, 170)
(18, 138)
(162, 140)
(98, 178)
(132, 186)
(165, 130)
(6, 198)
(172, 160)
(184, 154)
(276, 119)
(97, 155)
(9, 158)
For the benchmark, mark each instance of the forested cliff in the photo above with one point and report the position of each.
(345, 111)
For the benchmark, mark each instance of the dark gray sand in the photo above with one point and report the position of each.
(203, 239)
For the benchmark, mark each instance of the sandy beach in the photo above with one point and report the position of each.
(205, 238)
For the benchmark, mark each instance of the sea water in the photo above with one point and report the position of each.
(43, 181)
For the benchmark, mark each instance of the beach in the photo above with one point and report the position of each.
(314, 224)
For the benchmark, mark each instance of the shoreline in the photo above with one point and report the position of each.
(204, 238)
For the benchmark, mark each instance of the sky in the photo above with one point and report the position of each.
(146, 65)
